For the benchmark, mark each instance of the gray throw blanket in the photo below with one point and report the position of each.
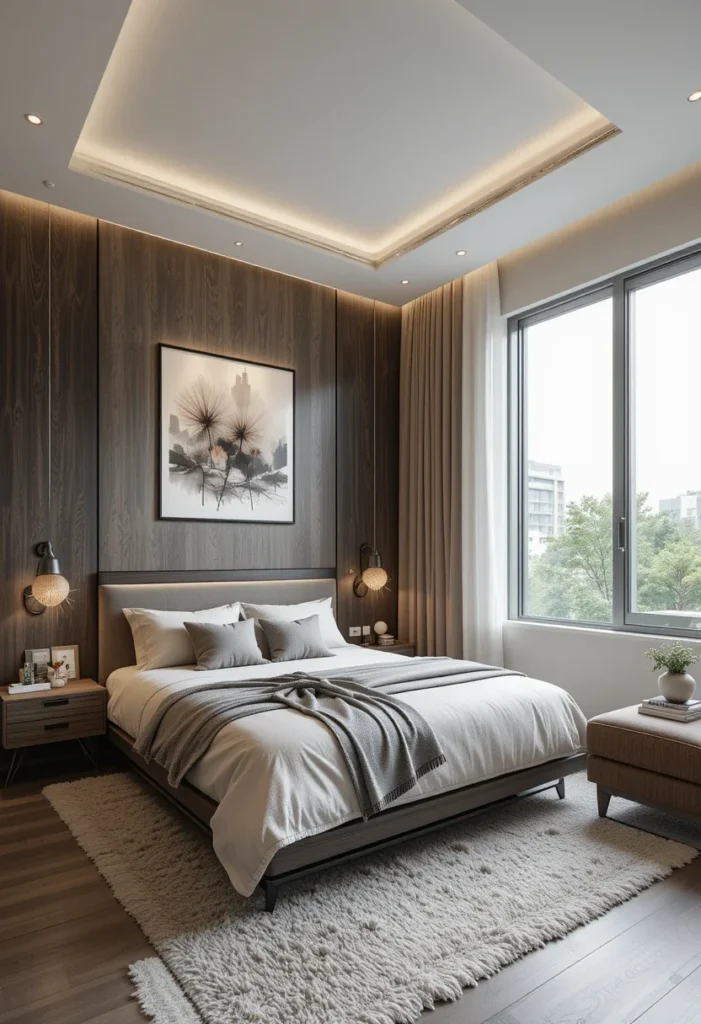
(386, 744)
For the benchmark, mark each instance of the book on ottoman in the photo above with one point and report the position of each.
(689, 711)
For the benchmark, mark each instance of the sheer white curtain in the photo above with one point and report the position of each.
(484, 472)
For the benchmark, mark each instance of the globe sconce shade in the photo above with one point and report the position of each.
(50, 588)
(373, 576)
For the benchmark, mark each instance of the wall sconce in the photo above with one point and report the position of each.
(50, 588)
(373, 577)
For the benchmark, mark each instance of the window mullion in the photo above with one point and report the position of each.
(623, 523)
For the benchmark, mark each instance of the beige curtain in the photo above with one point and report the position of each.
(430, 478)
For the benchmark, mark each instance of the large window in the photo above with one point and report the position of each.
(606, 455)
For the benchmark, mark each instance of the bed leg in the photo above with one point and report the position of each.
(603, 800)
(560, 787)
(271, 893)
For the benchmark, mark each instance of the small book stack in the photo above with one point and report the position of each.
(385, 640)
(689, 711)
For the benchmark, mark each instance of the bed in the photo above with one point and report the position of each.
(273, 788)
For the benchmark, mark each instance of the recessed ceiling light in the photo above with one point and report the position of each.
(238, 243)
(461, 252)
(405, 281)
(33, 118)
(48, 184)
(695, 96)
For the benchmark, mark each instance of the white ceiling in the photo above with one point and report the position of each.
(359, 124)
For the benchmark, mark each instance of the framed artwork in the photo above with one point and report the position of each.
(69, 657)
(227, 439)
(39, 657)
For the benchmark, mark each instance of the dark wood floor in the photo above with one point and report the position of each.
(65, 944)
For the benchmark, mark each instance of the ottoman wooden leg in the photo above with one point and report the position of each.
(603, 799)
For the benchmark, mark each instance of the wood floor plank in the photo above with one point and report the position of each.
(38, 913)
(51, 885)
(80, 941)
(34, 984)
(76, 1005)
(127, 1014)
(681, 1006)
(59, 856)
(616, 983)
(493, 997)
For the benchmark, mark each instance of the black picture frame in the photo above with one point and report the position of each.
(162, 440)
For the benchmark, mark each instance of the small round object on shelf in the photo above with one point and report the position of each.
(380, 628)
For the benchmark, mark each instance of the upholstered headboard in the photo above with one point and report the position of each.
(115, 645)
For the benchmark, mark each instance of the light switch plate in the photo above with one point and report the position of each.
(366, 631)
(354, 631)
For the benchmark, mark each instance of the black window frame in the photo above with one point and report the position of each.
(619, 287)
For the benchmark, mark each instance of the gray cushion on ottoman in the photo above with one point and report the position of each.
(293, 641)
(229, 646)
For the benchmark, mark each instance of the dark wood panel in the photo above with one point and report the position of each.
(354, 359)
(74, 427)
(155, 291)
(31, 375)
(24, 312)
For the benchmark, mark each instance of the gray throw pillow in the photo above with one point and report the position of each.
(296, 640)
(229, 646)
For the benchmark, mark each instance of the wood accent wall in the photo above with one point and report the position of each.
(151, 290)
(31, 290)
(355, 380)
(155, 291)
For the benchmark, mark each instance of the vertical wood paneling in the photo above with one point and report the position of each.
(24, 311)
(151, 290)
(74, 427)
(155, 291)
(29, 373)
(354, 332)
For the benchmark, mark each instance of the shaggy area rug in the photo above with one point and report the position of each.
(372, 943)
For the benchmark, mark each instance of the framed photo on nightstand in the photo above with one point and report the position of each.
(39, 657)
(69, 657)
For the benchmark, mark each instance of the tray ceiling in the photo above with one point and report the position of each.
(357, 143)
(361, 127)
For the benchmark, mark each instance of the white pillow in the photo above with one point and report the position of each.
(330, 632)
(160, 637)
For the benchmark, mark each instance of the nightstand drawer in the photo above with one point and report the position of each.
(54, 707)
(52, 729)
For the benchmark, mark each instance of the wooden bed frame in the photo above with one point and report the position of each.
(359, 838)
(338, 845)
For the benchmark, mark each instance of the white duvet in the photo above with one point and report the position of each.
(279, 776)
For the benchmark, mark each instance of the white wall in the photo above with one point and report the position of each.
(602, 669)
(657, 220)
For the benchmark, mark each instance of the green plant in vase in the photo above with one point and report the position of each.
(675, 683)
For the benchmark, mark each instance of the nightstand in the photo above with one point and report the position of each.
(398, 647)
(75, 711)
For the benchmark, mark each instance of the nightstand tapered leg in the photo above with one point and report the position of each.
(17, 755)
(86, 750)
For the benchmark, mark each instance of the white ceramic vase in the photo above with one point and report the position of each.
(57, 679)
(676, 686)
